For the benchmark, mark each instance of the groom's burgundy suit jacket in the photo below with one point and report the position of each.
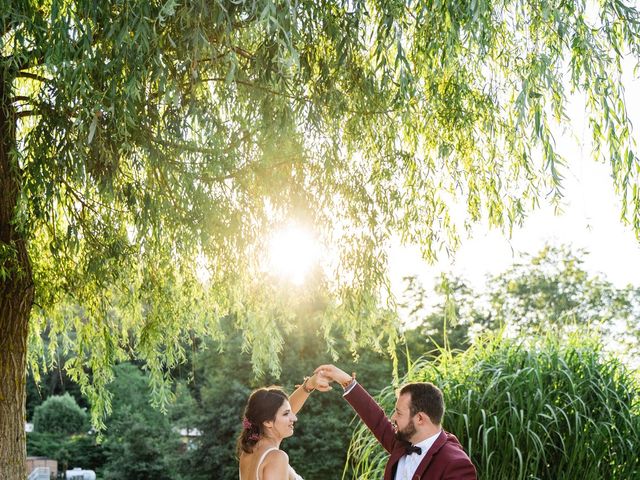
(445, 460)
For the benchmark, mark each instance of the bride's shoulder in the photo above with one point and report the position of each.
(276, 455)
(275, 461)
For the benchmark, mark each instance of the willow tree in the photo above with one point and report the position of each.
(141, 141)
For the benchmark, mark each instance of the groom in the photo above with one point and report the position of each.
(420, 449)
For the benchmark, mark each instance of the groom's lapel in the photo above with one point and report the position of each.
(437, 445)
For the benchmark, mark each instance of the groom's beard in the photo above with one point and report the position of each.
(406, 433)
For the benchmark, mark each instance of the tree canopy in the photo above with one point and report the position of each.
(550, 291)
(141, 140)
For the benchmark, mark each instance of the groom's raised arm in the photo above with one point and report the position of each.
(365, 406)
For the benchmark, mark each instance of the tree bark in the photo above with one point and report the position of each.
(16, 298)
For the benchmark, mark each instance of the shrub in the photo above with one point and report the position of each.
(557, 409)
(60, 414)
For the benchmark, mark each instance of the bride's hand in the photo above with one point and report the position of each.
(320, 382)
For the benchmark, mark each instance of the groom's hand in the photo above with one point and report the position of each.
(333, 374)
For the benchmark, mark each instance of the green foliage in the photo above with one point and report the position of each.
(496, 386)
(446, 324)
(213, 455)
(132, 451)
(548, 291)
(138, 443)
(51, 382)
(60, 415)
(61, 426)
(552, 290)
(552, 409)
(139, 440)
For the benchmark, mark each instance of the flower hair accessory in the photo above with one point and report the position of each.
(246, 424)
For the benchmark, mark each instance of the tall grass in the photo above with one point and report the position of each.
(555, 410)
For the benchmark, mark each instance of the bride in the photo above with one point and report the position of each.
(269, 417)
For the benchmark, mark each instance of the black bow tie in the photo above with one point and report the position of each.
(412, 449)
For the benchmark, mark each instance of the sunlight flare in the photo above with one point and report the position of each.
(293, 252)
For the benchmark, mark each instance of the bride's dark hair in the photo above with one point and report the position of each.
(262, 406)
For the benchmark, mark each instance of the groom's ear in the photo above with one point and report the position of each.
(423, 418)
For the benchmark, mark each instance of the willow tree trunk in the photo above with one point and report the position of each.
(16, 298)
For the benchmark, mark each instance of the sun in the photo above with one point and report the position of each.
(293, 252)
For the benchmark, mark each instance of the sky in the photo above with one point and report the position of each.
(590, 219)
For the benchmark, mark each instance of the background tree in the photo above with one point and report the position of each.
(137, 137)
(61, 432)
(215, 382)
(446, 324)
(50, 382)
(140, 439)
(60, 414)
(549, 291)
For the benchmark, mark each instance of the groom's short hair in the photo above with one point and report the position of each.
(427, 398)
